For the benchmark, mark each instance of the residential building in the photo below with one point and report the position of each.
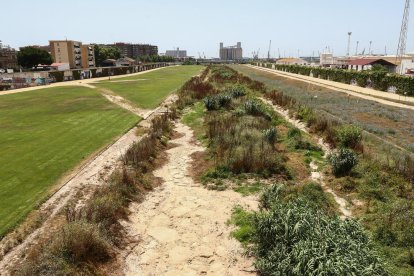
(362, 64)
(176, 53)
(135, 50)
(8, 57)
(231, 52)
(88, 56)
(72, 52)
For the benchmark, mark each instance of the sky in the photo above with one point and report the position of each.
(306, 27)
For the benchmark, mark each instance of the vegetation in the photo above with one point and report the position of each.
(343, 161)
(45, 134)
(89, 235)
(29, 57)
(377, 179)
(104, 53)
(378, 79)
(150, 90)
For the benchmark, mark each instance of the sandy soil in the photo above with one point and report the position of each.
(181, 226)
(364, 93)
(78, 186)
(316, 175)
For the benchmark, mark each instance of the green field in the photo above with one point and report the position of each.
(150, 89)
(44, 134)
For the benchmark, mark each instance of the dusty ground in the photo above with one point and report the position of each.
(181, 226)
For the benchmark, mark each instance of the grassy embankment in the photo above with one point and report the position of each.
(44, 134)
(149, 90)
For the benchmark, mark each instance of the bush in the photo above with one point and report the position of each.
(311, 192)
(270, 135)
(349, 136)
(343, 161)
(237, 91)
(295, 239)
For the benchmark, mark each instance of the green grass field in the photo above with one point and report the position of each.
(150, 89)
(44, 134)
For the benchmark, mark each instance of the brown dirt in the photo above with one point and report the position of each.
(182, 226)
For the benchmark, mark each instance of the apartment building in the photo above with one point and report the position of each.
(88, 56)
(72, 52)
(8, 58)
(135, 50)
(231, 52)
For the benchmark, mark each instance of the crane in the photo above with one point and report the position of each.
(268, 52)
(402, 43)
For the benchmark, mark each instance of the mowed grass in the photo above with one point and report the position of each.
(150, 89)
(44, 134)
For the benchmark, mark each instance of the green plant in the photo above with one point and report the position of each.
(343, 161)
(349, 136)
(270, 135)
(295, 239)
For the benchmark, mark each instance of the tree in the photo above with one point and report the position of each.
(379, 68)
(103, 53)
(29, 57)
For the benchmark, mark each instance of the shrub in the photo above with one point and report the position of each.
(343, 161)
(237, 91)
(293, 238)
(270, 135)
(306, 114)
(349, 136)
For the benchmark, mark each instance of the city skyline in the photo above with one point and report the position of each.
(298, 28)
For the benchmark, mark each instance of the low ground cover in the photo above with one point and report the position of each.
(44, 134)
(150, 89)
(250, 148)
(391, 123)
(378, 182)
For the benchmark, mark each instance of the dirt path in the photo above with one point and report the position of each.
(360, 92)
(316, 175)
(182, 226)
(78, 186)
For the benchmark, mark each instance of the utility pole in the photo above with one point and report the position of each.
(402, 43)
(369, 52)
(356, 50)
(349, 44)
(268, 52)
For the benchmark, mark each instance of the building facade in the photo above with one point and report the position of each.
(88, 56)
(8, 58)
(135, 50)
(176, 53)
(72, 52)
(231, 52)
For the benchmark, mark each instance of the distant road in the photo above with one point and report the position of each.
(364, 93)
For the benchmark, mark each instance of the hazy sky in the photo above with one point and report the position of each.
(199, 26)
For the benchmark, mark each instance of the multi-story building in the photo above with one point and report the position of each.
(69, 51)
(176, 53)
(135, 50)
(8, 57)
(231, 52)
(88, 56)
